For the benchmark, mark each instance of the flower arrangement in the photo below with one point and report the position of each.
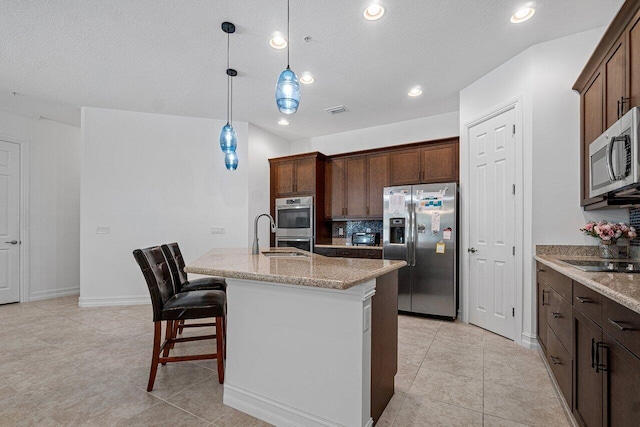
(609, 231)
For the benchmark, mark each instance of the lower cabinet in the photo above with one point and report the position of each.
(592, 345)
(349, 252)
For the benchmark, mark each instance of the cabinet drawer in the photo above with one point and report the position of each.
(325, 251)
(561, 364)
(558, 282)
(348, 253)
(622, 324)
(370, 253)
(588, 302)
(559, 318)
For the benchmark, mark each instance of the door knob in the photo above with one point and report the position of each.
(472, 250)
(13, 242)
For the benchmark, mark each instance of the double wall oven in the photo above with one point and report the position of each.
(295, 223)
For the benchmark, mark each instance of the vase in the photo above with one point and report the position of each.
(608, 249)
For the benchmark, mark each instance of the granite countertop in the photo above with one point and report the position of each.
(620, 287)
(312, 270)
(379, 248)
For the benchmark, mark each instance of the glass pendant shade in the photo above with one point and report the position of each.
(231, 161)
(228, 139)
(288, 92)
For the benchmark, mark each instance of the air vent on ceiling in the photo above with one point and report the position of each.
(335, 110)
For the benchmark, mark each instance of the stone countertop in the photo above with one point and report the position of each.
(620, 287)
(378, 248)
(312, 270)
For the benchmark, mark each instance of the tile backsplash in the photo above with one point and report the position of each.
(634, 221)
(350, 227)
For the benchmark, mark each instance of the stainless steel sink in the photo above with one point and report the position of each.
(284, 254)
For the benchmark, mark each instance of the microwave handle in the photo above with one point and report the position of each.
(609, 160)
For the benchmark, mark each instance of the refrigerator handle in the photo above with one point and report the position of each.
(414, 231)
(411, 242)
(408, 236)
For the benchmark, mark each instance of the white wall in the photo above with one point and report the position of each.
(262, 146)
(154, 179)
(542, 77)
(423, 129)
(53, 246)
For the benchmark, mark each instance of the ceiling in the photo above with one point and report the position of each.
(169, 56)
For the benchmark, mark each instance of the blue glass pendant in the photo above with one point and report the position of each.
(288, 92)
(228, 139)
(231, 161)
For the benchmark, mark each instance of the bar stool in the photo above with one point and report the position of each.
(173, 307)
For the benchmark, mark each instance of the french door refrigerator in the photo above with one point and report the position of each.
(420, 227)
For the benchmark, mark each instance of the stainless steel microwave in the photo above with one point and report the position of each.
(614, 157)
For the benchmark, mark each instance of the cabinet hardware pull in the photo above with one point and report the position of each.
(556, 315)
(593, 353)
(543, 294)
(623, 100)
(599, 366)
(539, 270)
(555, 360)
(584, 299)
(618, 325)
(619, 105)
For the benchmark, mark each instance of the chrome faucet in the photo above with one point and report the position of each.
(255, 249)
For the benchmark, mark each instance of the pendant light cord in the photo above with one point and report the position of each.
(288, 39)
(228, 85)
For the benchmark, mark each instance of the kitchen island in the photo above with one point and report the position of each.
(311, 340)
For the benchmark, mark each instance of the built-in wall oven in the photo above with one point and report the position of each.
(295, 219)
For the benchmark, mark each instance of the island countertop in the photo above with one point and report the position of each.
(311, 270)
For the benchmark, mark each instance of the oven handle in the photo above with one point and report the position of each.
(293, 207)
(287, 239)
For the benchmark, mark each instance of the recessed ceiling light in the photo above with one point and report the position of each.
(278, 41)
(416, 91)
(307, 79)
(373, 12)
(522, 15)
(283, 122)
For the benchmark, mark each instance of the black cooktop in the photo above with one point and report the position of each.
(612, 266)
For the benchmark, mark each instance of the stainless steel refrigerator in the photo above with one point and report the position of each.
(420, 227)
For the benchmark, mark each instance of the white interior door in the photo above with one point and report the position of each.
(9, 222)
(492, 279)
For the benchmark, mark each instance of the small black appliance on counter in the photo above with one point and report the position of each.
(365, 239)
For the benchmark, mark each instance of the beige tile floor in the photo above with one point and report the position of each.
(64, 365)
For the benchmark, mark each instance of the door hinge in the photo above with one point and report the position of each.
(513, 189)
(513, 130)
(513, 250)
(513, 312)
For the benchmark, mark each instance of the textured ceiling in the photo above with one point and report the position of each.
(169, 56)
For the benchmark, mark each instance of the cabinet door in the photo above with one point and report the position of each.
(356, 187)
(614, 68)
(378, 178)
(622, 385)
(592, 127)
(543, 302)
(334, 191)
(561, 364)
(587, 403)
(633, 62)
(283, 178)
(559, 319)
(348, 253)
(404, 166)
(305, 176)
(439, 163)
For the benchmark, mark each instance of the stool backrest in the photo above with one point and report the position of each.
(156, 272)
(176, 264)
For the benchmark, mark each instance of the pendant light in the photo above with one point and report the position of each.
(288, 86)
(228, 137)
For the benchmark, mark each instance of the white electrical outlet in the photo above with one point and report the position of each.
(217, 230)
(340, 231)
(103, 229)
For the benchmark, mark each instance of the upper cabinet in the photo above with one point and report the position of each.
(430, 163)
(609, 86)
(292, 176)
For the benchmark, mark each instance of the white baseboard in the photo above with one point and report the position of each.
(271, 411)
(113, 301)
(55, 293)
(530, 341)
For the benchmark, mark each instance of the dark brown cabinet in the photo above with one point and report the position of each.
(377, 179)
(621, 384)
(609, 86)
(349, 252)
(587, 404)
(543, 295)
(431, 163)
(294, 177)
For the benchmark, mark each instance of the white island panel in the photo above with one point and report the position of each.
(299, 355)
